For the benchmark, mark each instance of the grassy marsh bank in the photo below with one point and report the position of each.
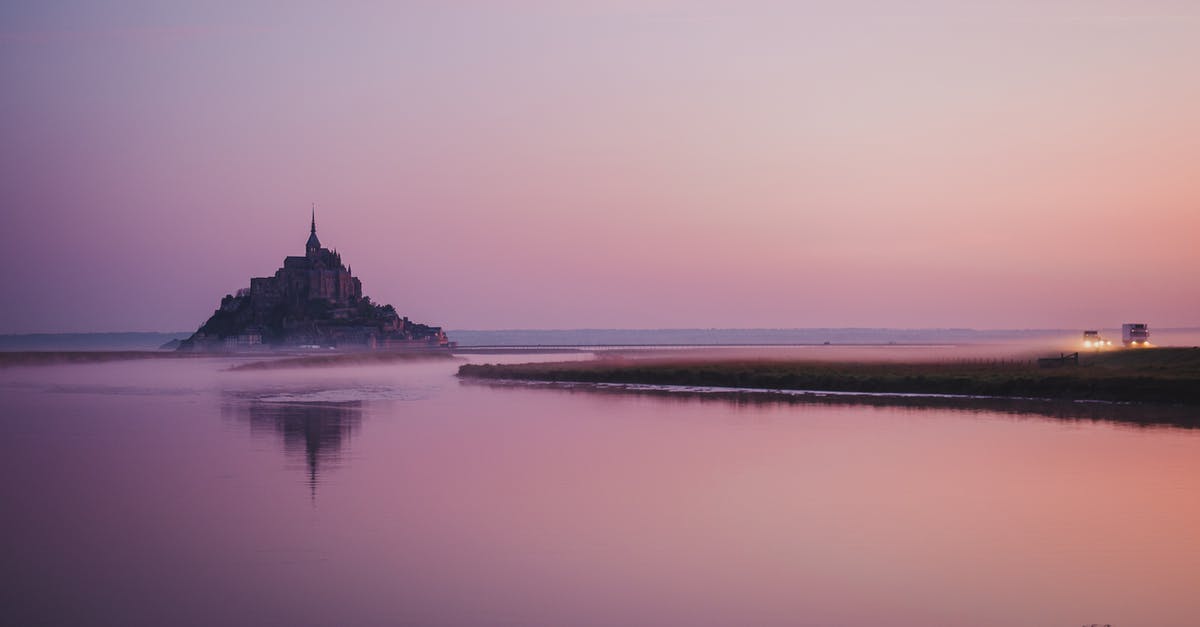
(1159, 375)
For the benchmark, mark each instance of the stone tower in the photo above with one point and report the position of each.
(314, 245)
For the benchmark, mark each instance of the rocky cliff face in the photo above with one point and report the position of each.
(242, 324)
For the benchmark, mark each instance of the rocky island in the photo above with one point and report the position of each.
(313, 301)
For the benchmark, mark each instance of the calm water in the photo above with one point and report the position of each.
(175, 493)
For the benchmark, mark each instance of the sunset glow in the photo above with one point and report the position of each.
(610, 313)
(601, 164)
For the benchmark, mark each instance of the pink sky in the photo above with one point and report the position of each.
(608, 164)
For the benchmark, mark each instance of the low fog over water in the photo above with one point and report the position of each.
(181, 492)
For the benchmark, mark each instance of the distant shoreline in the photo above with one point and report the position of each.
(265, 360)
(602, 338)
(10, 359)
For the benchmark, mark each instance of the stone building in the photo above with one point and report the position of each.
(318, 275)
(313, 300)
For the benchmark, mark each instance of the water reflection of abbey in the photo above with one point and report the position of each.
(311, 433)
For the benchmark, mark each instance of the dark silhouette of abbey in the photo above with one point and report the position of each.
(315, 301)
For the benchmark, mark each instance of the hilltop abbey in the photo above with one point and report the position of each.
(312, 301)
(318, 275)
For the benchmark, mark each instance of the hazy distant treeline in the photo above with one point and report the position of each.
(592, 337)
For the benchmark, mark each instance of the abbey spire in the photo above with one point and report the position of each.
(314, 244)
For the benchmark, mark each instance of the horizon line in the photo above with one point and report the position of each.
(1195, 327)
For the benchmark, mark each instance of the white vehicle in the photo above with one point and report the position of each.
(1135, 334)
(1092, 339)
